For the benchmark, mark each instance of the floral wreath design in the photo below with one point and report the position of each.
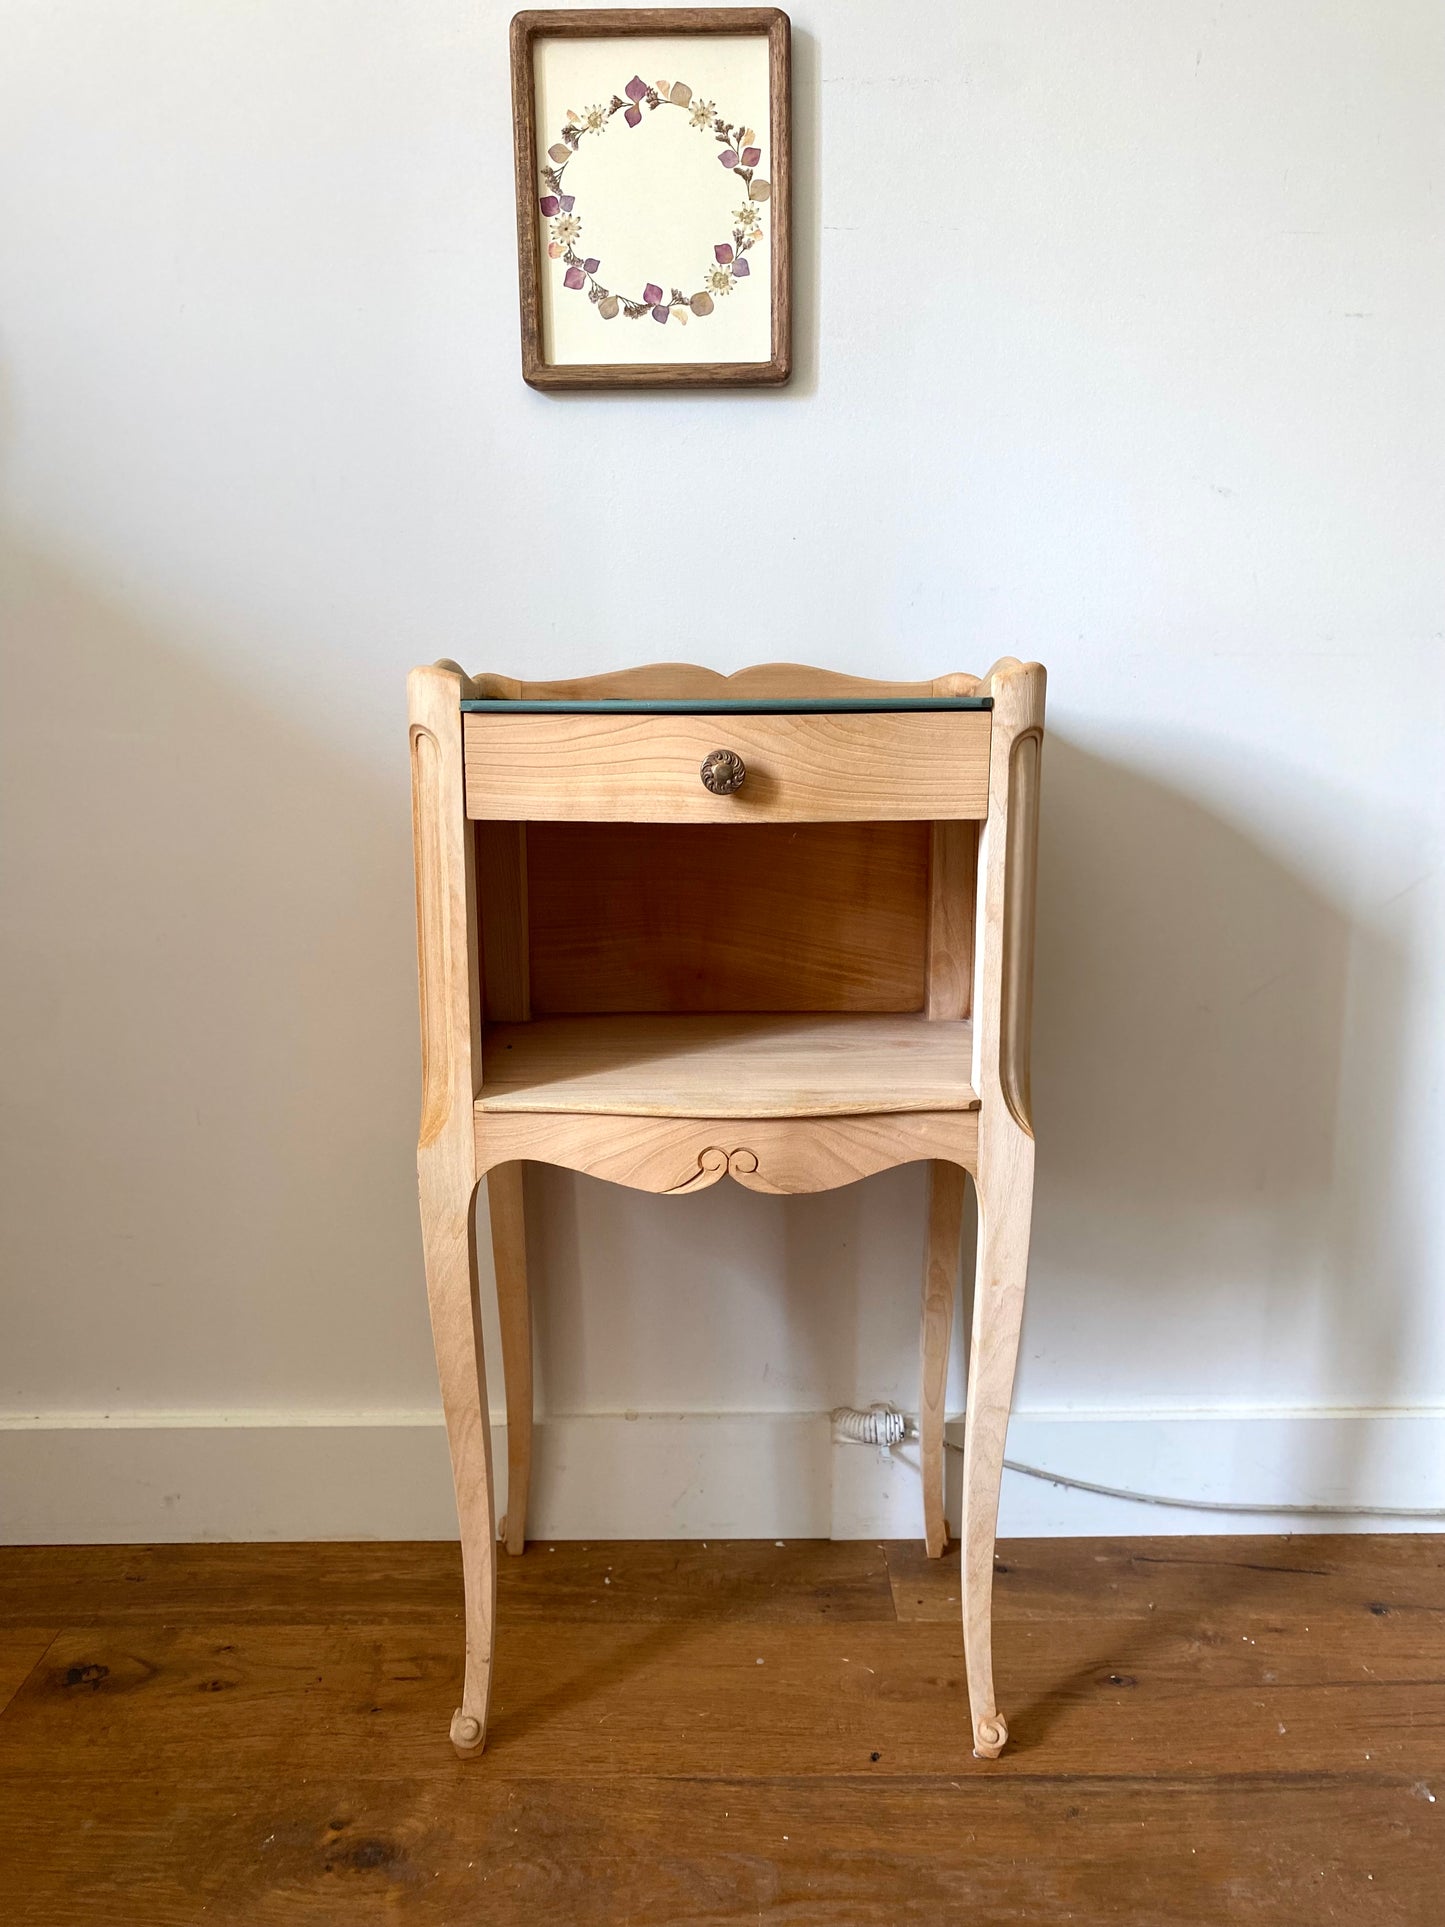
(730, 263)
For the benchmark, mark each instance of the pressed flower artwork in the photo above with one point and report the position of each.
(740, 155)
(655, 199)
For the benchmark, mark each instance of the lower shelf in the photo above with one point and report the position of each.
(728, 1067)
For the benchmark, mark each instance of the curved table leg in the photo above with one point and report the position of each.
(450, 1245)
(1005, 1209)
(940, 1286)
(514, 1307)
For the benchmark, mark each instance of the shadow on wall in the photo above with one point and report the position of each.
(211, 1064)
(212, 1073)
(1208, 1030)
(1212, 1226)
(734, 1301)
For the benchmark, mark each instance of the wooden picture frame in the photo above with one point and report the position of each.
(568, 295)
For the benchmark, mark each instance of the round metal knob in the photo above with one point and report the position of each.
(723, 771)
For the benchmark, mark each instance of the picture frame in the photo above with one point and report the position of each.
(654, 218)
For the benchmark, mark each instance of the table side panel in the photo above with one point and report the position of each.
(679, 1156)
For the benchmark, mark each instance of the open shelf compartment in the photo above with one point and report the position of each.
(730, 1066)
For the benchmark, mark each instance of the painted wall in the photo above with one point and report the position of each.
(1119, 347)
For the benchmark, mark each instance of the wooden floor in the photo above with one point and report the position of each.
(1205, 1730)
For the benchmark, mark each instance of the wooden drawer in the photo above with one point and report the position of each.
(817, 768)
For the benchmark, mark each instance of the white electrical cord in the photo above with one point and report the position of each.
(886, 1425)
(879, 1425)
(1221, 1505)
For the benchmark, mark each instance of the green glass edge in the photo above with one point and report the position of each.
(722, 706)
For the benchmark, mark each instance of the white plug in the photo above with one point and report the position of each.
(881, 1425)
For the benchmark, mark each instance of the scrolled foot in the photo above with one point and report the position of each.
(466, 1733)
(990, 1737)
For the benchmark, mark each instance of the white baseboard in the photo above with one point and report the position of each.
(179, 1477)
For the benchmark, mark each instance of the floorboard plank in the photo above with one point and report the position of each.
(592, 1700)
(1052, 1578)
(760, 1581)
(318, 1584)
(336, 1584)
(850, 1852)
(21, 1650)
(1205, 1730)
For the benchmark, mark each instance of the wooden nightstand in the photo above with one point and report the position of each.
(674, 926)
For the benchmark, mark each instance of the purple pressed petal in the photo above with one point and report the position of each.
(549, 204)
(659, 314)
(751, 156)
(652, 294)
(573, 278)
(740, 267)
(635, 88)
(723, 253)
(566, 202)
(633, 116)
(729, 157)
(592, 264)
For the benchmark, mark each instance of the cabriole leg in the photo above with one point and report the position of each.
(509, 1257)
(450, 1245)
(940, 1285)
(1005, 1207)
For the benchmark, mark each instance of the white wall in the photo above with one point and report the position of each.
(1120, 347)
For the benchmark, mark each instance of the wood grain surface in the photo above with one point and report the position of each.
(680, 1156)
(1203, 1731)
(739, 1066)
(502, 905)
(680, 681)
(21, 1647)
(838, 767)
(952, 886)
(449, 977)
(713, 917)
(942, 1256)
(507, 1211)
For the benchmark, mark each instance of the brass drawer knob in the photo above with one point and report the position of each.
(723, 771)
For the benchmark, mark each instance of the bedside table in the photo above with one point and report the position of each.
(674, 926)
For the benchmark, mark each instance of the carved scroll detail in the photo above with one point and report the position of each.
(714, 1163)
(431, 934)
(990, 1736)
(466, 1732)
(1021, 861)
